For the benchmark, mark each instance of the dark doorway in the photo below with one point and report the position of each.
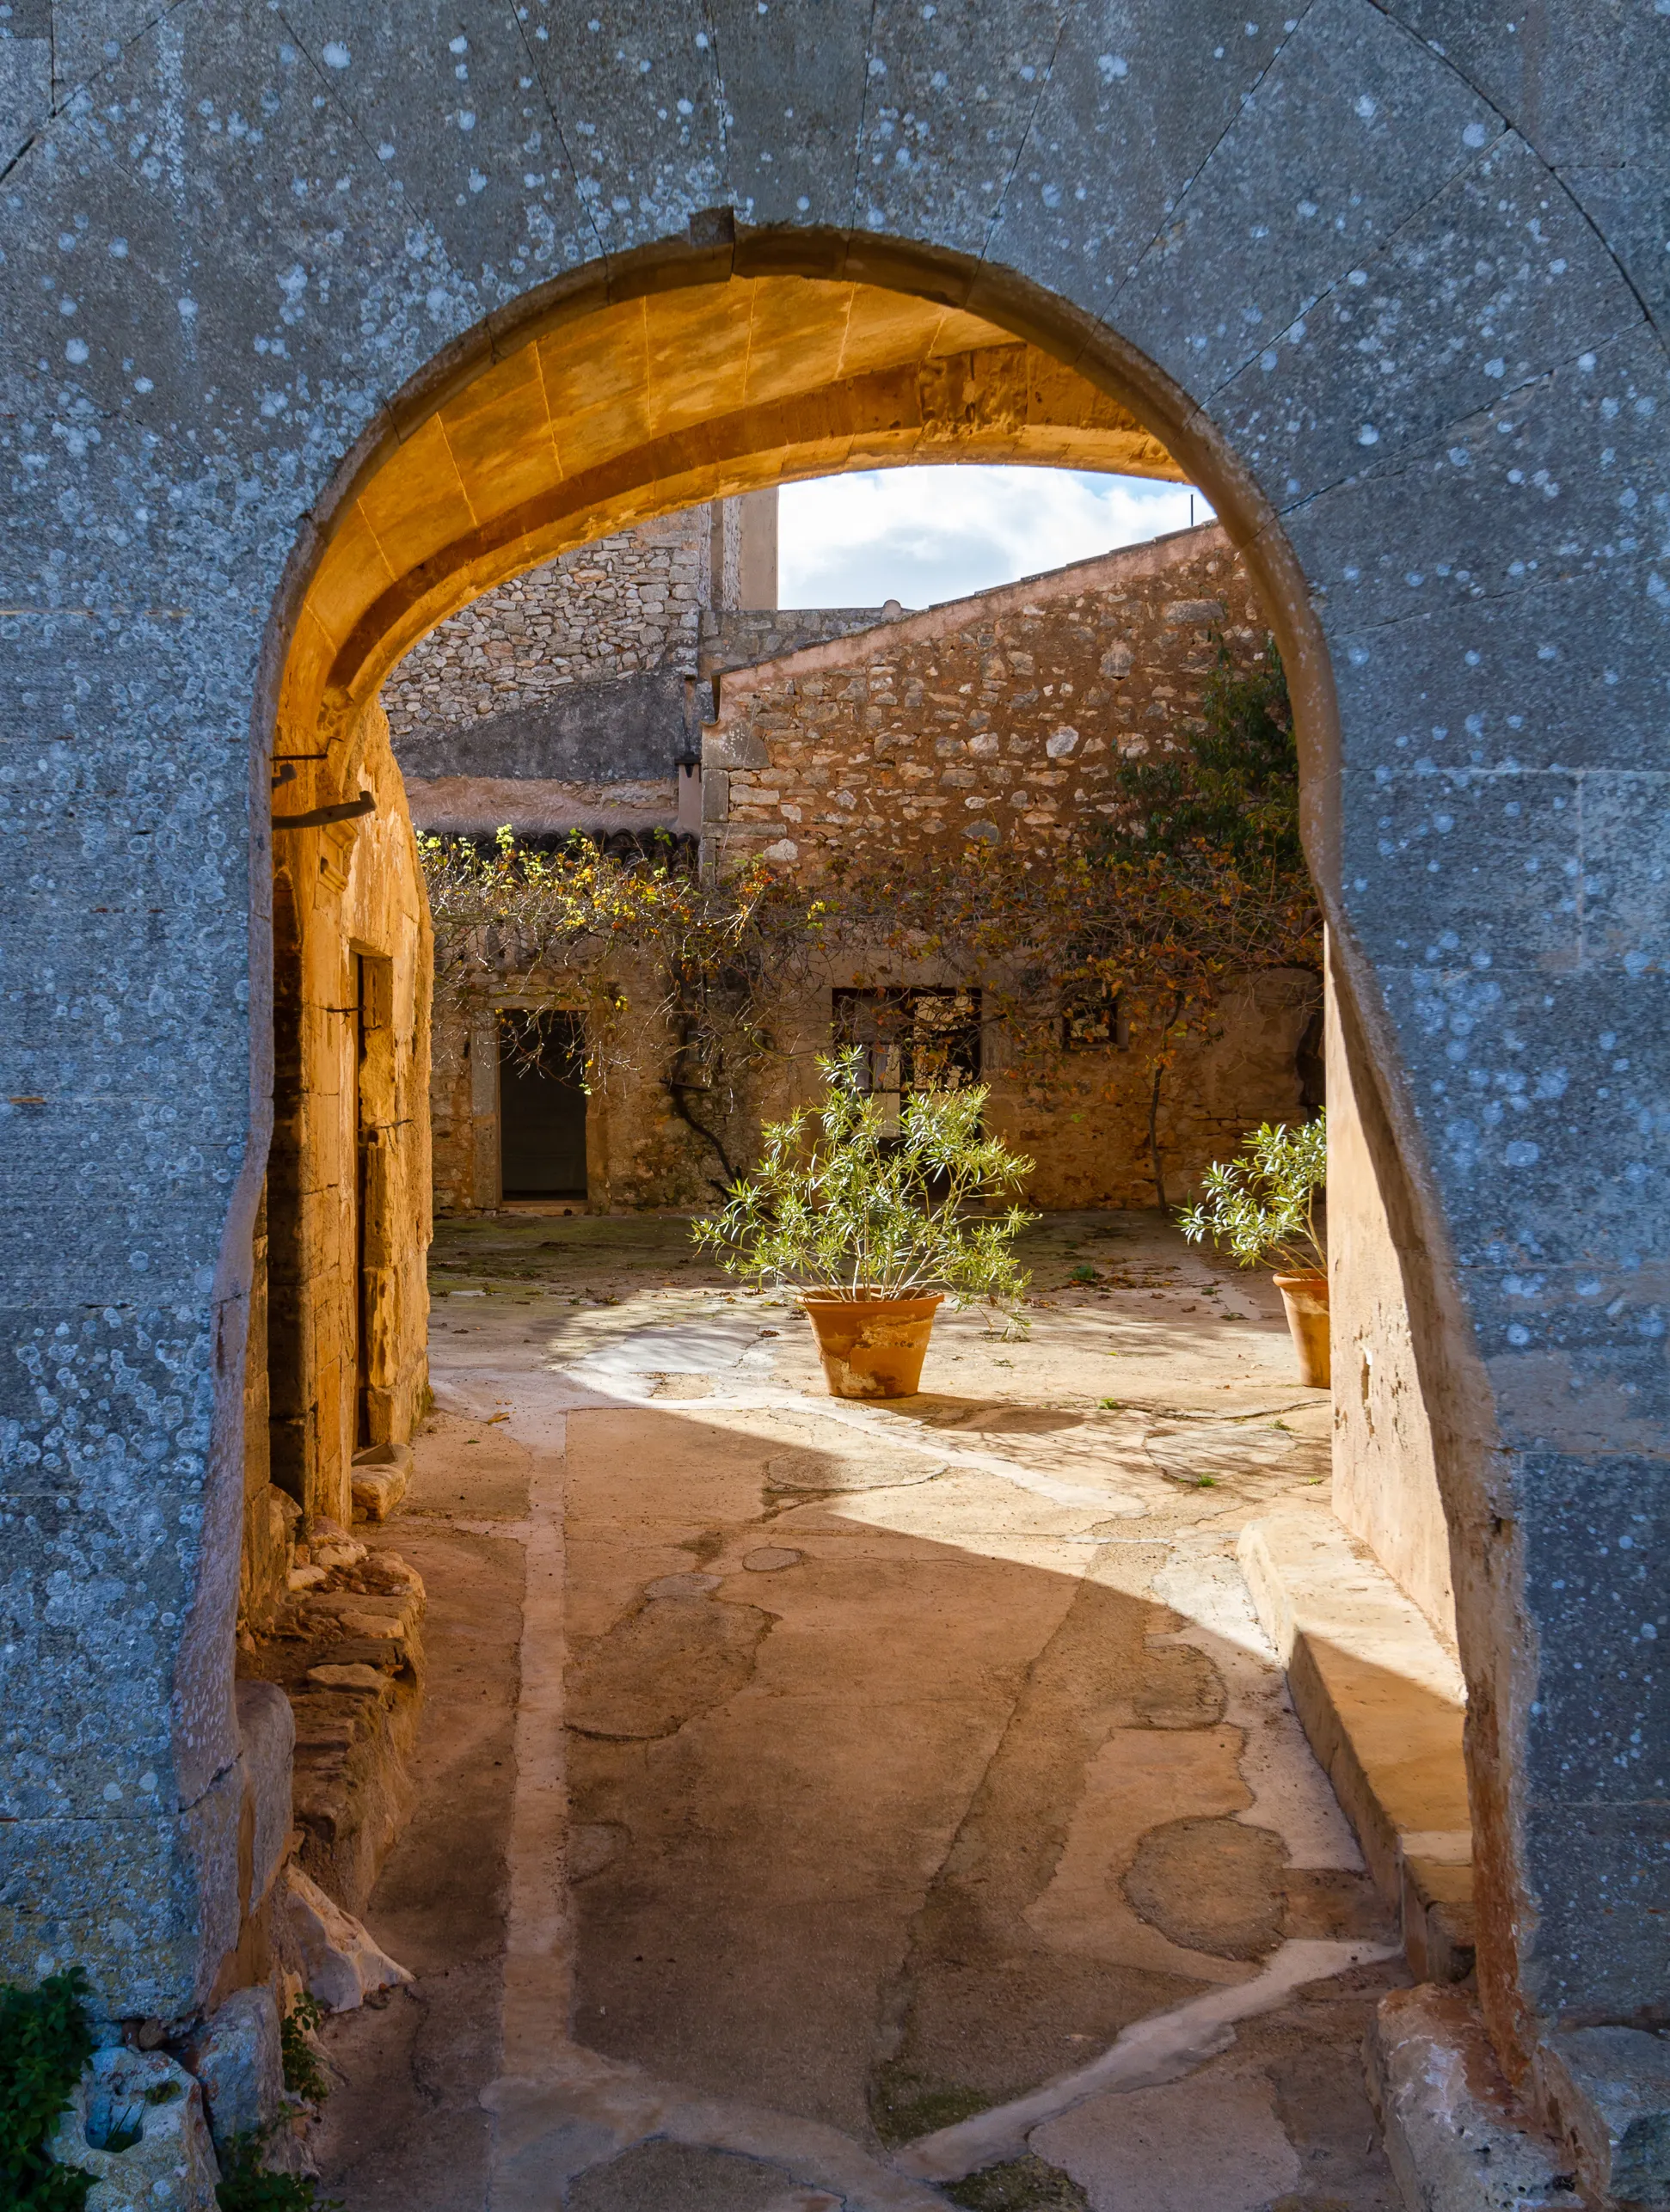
(365, 1138)
(542, 1105)
(374, 1061)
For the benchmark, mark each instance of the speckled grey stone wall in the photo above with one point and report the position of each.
(1403, 261)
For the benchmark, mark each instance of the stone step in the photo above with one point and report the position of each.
(1383, 1704)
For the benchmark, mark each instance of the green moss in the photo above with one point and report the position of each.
(45, 2041)
(1024, 2184)
(903, 2105)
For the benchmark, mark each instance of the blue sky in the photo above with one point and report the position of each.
(923, 534)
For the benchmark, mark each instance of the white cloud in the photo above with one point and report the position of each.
(923, 535)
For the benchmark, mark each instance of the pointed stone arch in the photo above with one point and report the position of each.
(1380, 300)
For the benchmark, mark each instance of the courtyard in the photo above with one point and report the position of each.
(864, 1806)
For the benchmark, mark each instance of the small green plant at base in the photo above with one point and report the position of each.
(303, 2075)
(45, 2041)
(1261, 1206)
(840, 1204)
(246, 2185)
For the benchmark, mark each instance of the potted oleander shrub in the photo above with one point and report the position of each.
(1260, 1209)
(870, 1229)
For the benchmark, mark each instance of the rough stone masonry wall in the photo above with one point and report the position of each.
(654, 598)
(969, 702)
(998, 717)
(628, 603)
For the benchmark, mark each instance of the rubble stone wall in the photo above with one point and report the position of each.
(871, 731)
(997, 717)
(628, 603)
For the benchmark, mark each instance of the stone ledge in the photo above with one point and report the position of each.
(378, 1478)
(346, 1651)
(1382, 1703)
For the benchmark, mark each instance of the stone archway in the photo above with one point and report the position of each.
(1371, 296)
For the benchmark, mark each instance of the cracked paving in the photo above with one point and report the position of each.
(828, 1805)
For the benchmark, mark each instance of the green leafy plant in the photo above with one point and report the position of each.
(45, 2041)
(1261, 1206)
(841, 1203)
(303, 2075)
(246, 2185)
(668, 966)
(1230, 795)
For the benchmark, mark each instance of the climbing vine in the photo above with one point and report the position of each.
(673, 972)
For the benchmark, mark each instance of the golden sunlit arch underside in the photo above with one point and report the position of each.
(636, 407)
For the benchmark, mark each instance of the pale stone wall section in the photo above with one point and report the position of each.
(757, 555)
(626, 603)
(623, 604)
(1385, 1479)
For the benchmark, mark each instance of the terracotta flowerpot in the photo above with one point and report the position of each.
(871, 1347)
(1305, 1297)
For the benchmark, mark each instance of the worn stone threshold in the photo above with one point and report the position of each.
(1382, 1703)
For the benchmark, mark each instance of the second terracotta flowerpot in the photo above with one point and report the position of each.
(872, 1347)
(1305, 1297)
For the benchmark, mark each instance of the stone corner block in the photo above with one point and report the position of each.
(1456, 2135)
(148, 1905)
(723, 747)
(1607, 2091)
(238, 2059)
